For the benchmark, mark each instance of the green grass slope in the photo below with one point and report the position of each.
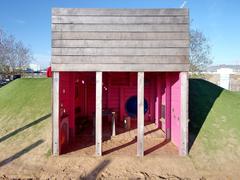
(215, 126)
(24, 114)
(22, 101)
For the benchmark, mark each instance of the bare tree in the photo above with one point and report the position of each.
(14, 56)
(200, 51)
(23, 56)
(2, 51)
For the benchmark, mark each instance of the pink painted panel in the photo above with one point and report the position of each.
(76, 90)
(158, 101)
(113, 97)
(157, 110)
(151, 95)
(175, 108)
(168, 95)
(163, 101)
(64, 109)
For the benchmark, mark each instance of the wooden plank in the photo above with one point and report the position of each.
(55, 114)
(140, 114)
(183, 150)
(118, 12)
(113, 124)
(120, 59)
(119, 20)
(120, 43)
(98, 113)
(121, 67)
(121, 28)
(120, 51)
(120, 35)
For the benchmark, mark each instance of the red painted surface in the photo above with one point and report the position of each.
(49, 71)
(77, 99)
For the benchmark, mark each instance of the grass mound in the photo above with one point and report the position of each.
(24, 115)
(215, 125)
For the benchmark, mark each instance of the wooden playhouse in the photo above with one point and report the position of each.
(127, 65)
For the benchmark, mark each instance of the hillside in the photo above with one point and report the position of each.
(25, 126)
(25, 117)
(215, 123)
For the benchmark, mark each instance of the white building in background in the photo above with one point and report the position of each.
(224, 73)
(228, 76)
(35, 67)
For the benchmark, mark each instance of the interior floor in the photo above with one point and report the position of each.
(124, 143)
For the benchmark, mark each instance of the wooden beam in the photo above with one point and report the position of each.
(120, 35)
(121, 67)
(120, 59)
(119, 12)
(183, 150)
(119, 19)
(120, 51)
(98, 113)
(55, 114)
(140, 114)
(122, 28)
(72, 43)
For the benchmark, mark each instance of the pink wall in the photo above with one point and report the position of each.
(168, 95)
(163, 100)
(121, 86)
(175, 108)
(161, 90)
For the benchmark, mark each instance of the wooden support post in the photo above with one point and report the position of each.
(140, 114)
(55, 114)
(183, 150)
(98, 117)
(113, 124)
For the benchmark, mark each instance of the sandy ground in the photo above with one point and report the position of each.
(117, 167)
(108, 167)
(119, 161)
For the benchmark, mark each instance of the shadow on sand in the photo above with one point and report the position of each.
(20, 153)
(24, 128)
(97, 170)
(156, 147)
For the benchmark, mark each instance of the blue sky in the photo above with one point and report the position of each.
(29, 21)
